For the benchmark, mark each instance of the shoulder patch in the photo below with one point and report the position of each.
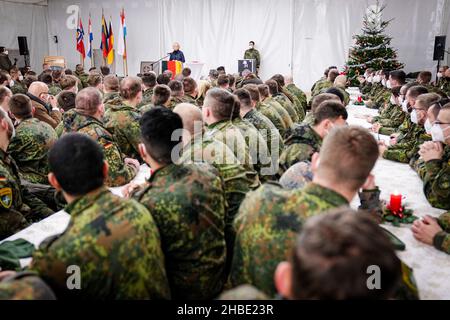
(6, 198)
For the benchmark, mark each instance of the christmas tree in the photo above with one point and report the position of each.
(372, 48)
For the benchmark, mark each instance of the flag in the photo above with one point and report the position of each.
(121, 46)
(110, 44)
(91, 38)
(80, 39)
(105, 36)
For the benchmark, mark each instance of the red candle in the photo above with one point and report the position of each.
(359, 99)
(396, 202)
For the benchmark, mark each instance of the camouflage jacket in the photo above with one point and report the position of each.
(18, 207)
(18, 88)
(320, 86)
(273, 116)
(187, 98)
(445, 86)
(83, 76)
(174, 101)
(298, 107)
(119, 173)
(226, 132)
(188, 205)
(116, 245)
(407, 146)
(437, 181)
(300, 146)
(382, 98)
(441, 240)
(267, 129)
(54, 89)
(146, 97)
(30, 147)
(287, 120)
(391, 119)
(288, 106)
(253, 54)
(111, 98)
(268, 222)
(237, 180)
(25, 286)
(123, 122)
(299, 94)
(257, 146)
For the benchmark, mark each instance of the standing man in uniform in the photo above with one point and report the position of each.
(252, 53)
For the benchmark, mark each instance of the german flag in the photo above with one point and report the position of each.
(175, 66)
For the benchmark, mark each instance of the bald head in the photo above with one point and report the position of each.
(37, 88)
(88, 101)
(190, 115)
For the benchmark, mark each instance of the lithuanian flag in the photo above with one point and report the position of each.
(175, 66)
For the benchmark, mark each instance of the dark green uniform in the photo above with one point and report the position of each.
(83, 76)
(116, 245)
(122, 121)
(110, 98)
(30, 148)
(146, 97)
(390, 119)
(320, 86)
(437, 181)
(288, 106)
(18, 207)
(267, 225)
(25, 286)
(119, 173)
(408, 145)
(188, 205)
(300, 146)
(287, 120)
(299, 94)
(54, 89)
(253, 54)
(441, 241)
(267, 129)
(273, 116)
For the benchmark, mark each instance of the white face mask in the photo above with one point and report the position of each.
(439, 75)
(388, 84)
(377, 79)
(11, 83)
(428, 126)
(405, 106)
(414, 118)
(370, 79)
(383, 82)
(20, 78)
(392, 101)
(6, 52)
(437, 133)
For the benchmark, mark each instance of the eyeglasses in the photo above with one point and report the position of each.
(438, 122)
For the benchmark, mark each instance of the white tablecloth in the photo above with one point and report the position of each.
(431, 267)
(58, 222)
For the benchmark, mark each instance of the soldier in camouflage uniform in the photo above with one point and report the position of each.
(122, 117)
(265, 127)
(114, 242)
(299, 108)
(297, 92)
(33, 140)
(437, 162)
(267, 102)
(325, 84)
(445, 83)
(270, 217)
(435, 232)
(190, 91)
(110, 90)
(18, 207)
(282, 100)
(188, 205)
(83, 76)
(252, 53)
(316, 102)
(85, 119)
(198, 148)
(305, 140)
(149, 82)
(25, 286)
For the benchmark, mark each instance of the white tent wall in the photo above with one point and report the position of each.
(312, 34)
(28, 20)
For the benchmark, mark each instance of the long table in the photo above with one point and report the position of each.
(431, 267)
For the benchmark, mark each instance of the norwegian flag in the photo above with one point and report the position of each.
(80, 39)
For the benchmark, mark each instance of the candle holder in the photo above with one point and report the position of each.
(359, 101)
(398, 217)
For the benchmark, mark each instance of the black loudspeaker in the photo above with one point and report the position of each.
(439, 48)
(23, 46)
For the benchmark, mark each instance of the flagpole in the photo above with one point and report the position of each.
(125, 58)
